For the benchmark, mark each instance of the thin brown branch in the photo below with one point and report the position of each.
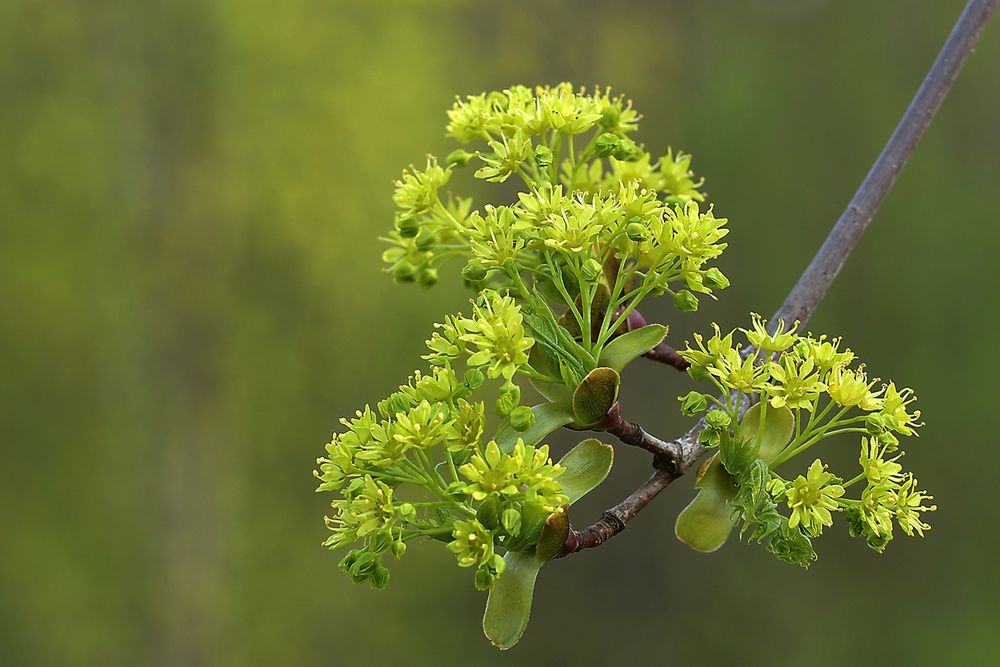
(665, 454)
(812, 286)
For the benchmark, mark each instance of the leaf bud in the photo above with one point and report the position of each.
(474, 378)
(379, 578)
(380, 541)
(511, 521)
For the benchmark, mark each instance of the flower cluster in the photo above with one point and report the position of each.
(815, 387)
(598, 226)
(425, 443)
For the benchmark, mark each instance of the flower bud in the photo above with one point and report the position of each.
(427, 277)
(511, 521)
(474, 378)
(636, 230)
(488, 513)
(398, 549)
(627, 150)
(875, 424)
(715, 279)
(698, 372)
(404, 272)
(407, 226)
(693, 403)
(718, 420)
(459, 158)
(380, 541)
(484, 579)
(606, 144)
(407, 512)
(543, 156)
(474, 272)
(521, 418)
(685, 301)
(510, 398)
(424, 240)
(591, 269)
(609, 116)
(379, 578)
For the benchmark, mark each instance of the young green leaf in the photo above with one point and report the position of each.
(509, 603)
(587, 465)
(705, 524)
(779, 423)
(623, 350)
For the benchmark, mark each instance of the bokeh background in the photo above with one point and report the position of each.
(191, 296)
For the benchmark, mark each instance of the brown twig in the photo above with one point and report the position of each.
(812, 286)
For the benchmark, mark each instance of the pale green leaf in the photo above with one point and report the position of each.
(624, 349)
(509, 604)
(587, 465)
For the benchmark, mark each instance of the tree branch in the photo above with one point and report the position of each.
(812, 286)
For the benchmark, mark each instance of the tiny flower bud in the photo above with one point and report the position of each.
(404, 272)
(609, 116)
(488, 513)
(484, 579)
(591, 269)
(543, 156)
(428, 277)
(474, 272)
(521, 418)
(380, 541)
(635, 230)
(398, 549)
(510, 397)
(474, 378)
(379, 578)
(698, 372)
(875, 424)
(407, 512)
(693, 403)
(407, 227)
(685, 301)
(715, 279)
(717, 419)
(459, 158)
(606, 144)
(424, 240)
(627, 150)
(511, 521)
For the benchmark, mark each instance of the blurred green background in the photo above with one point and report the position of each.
(190, 195)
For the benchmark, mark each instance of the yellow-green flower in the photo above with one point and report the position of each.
(878, 471)
(797, 385)
(910, 507)
(851, 388)
(812, 498)
(894, 405)
(497, 331)
(417, 191)
(473, 544)
(677, 179)
(490, 471)
(779, 341)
